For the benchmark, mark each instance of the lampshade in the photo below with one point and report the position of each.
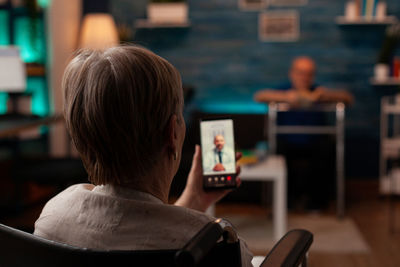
(98, 31)
(12, 70)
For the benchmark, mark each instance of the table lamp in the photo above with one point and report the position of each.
(98, 32)
(12, 70)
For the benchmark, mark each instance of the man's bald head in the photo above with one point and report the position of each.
(219, 142)
(303, 62)
(302, 73)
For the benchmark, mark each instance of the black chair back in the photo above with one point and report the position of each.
(18, 248)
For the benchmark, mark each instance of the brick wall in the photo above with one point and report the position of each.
(221, 56)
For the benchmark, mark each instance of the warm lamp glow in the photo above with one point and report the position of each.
(98, 32)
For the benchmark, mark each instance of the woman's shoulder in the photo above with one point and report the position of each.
(79, 187)
(66, 196)
(57, 208)
(188, 215)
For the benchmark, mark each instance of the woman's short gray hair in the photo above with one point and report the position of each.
(117, 104)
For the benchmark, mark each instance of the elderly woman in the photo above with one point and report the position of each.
(123, 110)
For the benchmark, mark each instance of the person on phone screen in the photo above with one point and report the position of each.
(220, 158)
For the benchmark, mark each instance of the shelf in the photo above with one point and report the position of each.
(366, 21)
(391, 109)
(389, 174)
(390, 146)
(37, 70)
(388, 82)
(387, 186)
(147, 24)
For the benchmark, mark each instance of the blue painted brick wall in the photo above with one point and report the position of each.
(221, 56)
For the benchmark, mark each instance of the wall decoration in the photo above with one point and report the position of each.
(252, 4)
(287, 2)
(279, 26)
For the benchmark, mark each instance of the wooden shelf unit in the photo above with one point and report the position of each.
(147, 24)
(389, 143)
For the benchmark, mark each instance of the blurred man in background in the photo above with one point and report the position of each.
(310, 158)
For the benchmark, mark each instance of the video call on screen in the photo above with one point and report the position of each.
(217, 144)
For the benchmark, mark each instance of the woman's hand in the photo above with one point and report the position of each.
(194, 196)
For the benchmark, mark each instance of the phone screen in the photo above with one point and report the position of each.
(218, 153)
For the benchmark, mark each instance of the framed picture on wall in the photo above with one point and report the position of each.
(252, 4)
(287, 2)
(279, 26)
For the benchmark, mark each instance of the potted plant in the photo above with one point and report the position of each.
(167, 11)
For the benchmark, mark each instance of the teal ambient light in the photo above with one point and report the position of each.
(29, 36)
(232, 107)
(43, 3)
(4, 31)
(32, 49)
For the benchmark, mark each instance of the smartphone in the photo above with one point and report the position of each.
(218, 153)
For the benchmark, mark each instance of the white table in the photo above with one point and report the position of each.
(273, 168)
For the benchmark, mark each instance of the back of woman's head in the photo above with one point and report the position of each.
(117, 104)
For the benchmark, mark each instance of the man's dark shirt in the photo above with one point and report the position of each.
(310, 118)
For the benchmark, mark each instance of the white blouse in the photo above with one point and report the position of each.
(116, 218)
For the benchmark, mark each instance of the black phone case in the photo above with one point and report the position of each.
(217, 181)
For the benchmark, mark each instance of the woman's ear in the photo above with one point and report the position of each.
(171, 133)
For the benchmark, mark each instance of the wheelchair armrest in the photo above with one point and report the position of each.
(290, 250)
(201, 244)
